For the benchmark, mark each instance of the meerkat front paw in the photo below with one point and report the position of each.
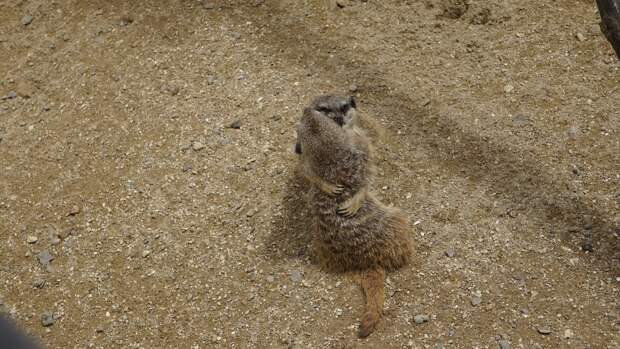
(332, 189)
(349, 208)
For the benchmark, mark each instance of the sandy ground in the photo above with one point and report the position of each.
(148, 197)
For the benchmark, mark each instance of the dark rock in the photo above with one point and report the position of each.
(47, 319)
(235, 124)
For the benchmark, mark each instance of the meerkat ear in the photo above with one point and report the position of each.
(352, 102)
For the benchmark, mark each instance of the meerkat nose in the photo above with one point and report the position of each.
(297, 148)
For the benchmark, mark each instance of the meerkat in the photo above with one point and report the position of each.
(370, 243)
(344, 112)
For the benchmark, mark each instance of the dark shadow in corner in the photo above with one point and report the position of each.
(290, 236)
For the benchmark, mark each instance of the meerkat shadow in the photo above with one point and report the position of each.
(290, 236)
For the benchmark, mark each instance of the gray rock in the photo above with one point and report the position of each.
(38, 283)
(10, 95)
(421, 318)
(504, 344)
(45, 257)
(47, 319)
(520, 120)
(270, 278)
(475, 301)
(450, 252)
(235, 124)
(544, 329)
(580, 37)
(353, 88)
(75, 209)
(197, 146)
(27, 19)
(296, 276)
(573, 132)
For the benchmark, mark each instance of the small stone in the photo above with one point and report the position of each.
(475, 301)
(338, 312)
(520, 120)
(580, 37)
(270, 278)
(296, 276)
(211, 79)
(38, 283)
(173, 90)
(25, 89)
(100, 329)
(544, 330)
(353, 88)
(27, 19)
(573, 132)
(421, 318)
(47, 319)
(32, 239)
(504, 344)
(74, 210)
(235, 124)
(587, 247)
(45, 257)
(55, 239)
(508, 88)
(450, 252)
(125, 21)
(198, 146)
(145, 253)
(208, 5)
(408, 196)
(568, 333)
(10, 95)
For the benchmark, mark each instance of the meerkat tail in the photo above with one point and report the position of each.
(373, 284)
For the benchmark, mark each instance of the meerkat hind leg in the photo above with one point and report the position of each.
(350, 207)
(373, 284)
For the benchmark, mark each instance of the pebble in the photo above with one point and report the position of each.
(235, 124)
(47, 319)
(587, 247)
(504, 344)
(508, 88)
(32, 239)
(475, 301)
(353, 88)
(450, 252)
(125, 21)
(520, 120)
(211, 79)
(568, 333)
(580, 37)
(45, 257)
(38, 283)
(10, 95)
(27, 19)
(421, 318)
(145, 253)
(296, 276)
(198, 146)
(74, 210)
(209, 5)
(544, 330)
(270, 278)
(99, 329)
(172, 90)
(573, 132)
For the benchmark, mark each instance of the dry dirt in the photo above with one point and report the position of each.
(170, 228)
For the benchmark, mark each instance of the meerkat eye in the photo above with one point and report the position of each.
(352, 102)
(323, 110)
(345, 108)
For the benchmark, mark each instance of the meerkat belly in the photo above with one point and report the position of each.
(368, 240)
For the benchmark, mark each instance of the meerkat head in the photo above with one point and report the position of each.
(342, 110)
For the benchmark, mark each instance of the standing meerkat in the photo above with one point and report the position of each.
(344, 112)
(376, 238)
